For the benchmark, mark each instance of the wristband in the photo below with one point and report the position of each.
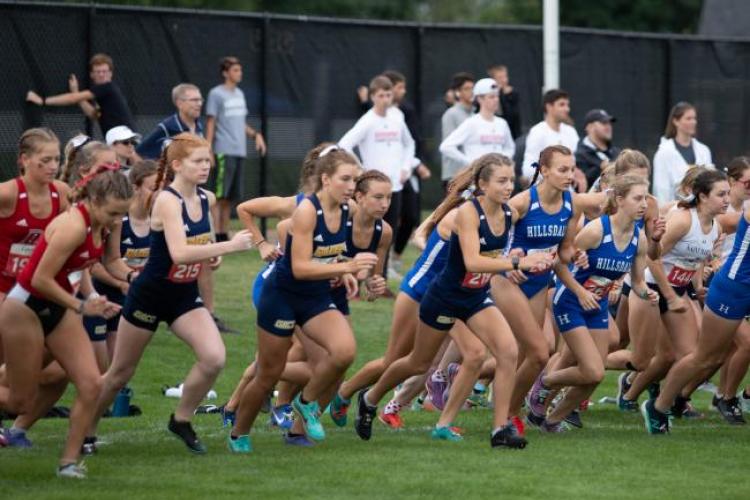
(260, 242)
(516, 261)
(643, 294)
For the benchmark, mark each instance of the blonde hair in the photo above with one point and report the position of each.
(621, 186)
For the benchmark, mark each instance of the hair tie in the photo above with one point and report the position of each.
(332, 147)
(96, 171)
(686, 198)
(536, 165)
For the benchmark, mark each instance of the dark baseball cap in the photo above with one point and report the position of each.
(598, 115)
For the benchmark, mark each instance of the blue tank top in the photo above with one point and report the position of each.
(266, 271)
(352, 249)
(430, 262)
(327, 247)
(606, 262)
(134, 249)
(454, 276)
(538, 231)
(737, 265)
(159, 265)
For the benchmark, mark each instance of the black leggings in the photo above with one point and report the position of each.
(409, 218)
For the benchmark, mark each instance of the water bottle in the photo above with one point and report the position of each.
(121, 407)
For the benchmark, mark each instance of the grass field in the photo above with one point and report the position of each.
(612, 457)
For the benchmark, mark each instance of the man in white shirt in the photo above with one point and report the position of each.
(384, 143)
(553, 130)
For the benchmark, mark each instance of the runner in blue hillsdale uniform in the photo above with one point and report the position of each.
(461, 292)
(614, 246)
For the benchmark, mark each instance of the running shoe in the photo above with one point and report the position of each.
(653, 390)
(436, 387)
(683, 409)
(574, 419)
(184, 431)
(310, 413)
(731, 411)
(656, 422)
(553, 427)
(89, 446)
(450, 375)
(298, 440)
(715, 402)
(282, 416)
(240, 445)
(227, 417)
(3, 441)
(365, 416)
(623, 386)
(518, 424)
(478, 400)
(338, 409)
(392, 420)
(744, 401)
(445, 434)
(72, 470)
(506, 437)
(17, 439)
(535, 401)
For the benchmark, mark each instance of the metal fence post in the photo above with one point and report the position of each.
(263, 164)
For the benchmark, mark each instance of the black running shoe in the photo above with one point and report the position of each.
(683, 409)
(715, 402)
(574, 419)
(89, 446)
(507, 437)
(731, 411)
(653, 390)
(184, 431)
(365, 416)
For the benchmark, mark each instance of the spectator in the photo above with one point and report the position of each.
(678, 150)
(596, 150)
(226, 128)
(483, 132)
(463, 88)
(410, 202)
(384, 143)
(188, 100)
(509, 108)
(553, 130)
(110, 109)
(123, 141)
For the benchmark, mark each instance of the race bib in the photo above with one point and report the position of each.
(599, 286)
(136, 264)
(74, 279)
(476, 280)
(17, 258)
(551, 250)
(184, 273)
(679, 276)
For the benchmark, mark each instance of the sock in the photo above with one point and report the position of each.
(221, 237)
(438, 376)
(392, 408)
(367, 400)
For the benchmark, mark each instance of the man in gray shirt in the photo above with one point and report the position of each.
(226, 128)
(463, 87)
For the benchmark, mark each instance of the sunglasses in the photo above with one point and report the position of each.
(129, 142)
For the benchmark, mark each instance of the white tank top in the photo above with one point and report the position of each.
(726, 247)
(693, 249)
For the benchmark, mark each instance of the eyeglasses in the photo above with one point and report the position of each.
(196, 100)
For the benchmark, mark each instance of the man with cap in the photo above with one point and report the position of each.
(123, 141)
(188, 101)
(595, 150)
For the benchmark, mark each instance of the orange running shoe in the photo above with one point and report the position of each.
(518, 424)
(392, 420)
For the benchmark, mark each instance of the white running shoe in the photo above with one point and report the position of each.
(76, 471)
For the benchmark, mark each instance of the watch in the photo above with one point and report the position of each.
(516, 261)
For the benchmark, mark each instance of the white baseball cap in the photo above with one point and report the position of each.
(485, 86)
(121, 133)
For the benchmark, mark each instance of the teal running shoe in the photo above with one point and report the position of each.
(446, 434)
(338, 410)
(656, 422)
(240, 445)
(310, 414)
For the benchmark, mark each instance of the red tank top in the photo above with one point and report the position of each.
(20, 232)
(84, 256)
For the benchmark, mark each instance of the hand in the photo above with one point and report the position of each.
(658, 226)
(537, 263)
(260, 144)
(700, 293)
(242, 240)
(363, 260)
(516, 277)
(587, 300)
(363, 94)
(375, 286)
(111, 310)
(507, 89)
(677, 304)
(335, 282)
(581, 259)
(95, 306)
(34, 98)
(73, 83)
(214, 263)
(652, 296)
(351, 284)
(269, 252)
(423, 172)
(614, 292)
(124, 286)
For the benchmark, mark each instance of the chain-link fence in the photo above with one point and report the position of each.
(301, 75)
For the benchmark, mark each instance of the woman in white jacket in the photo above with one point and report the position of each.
(678, 150)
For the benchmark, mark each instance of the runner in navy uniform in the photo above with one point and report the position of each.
(167, 289)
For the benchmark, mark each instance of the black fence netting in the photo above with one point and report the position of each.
(300, 76)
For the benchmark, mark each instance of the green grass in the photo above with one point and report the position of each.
(611, 458)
